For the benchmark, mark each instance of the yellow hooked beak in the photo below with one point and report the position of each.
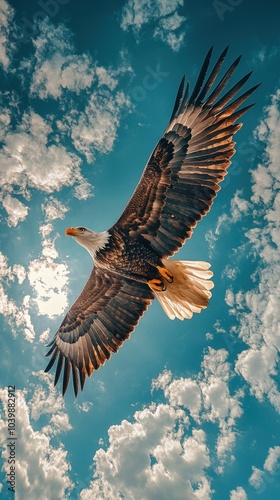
(71, 231)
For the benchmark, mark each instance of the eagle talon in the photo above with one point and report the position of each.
(156, 285)
(165, 273)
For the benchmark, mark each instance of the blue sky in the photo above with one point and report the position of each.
(185, 410)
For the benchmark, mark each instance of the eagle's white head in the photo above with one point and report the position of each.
(89, 239)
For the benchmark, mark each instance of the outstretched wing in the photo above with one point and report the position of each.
(182, 176)
(101, 319)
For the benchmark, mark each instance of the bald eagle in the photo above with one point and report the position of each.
(131, 259)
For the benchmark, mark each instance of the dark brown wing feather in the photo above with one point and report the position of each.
(101, 319)
(182, 176)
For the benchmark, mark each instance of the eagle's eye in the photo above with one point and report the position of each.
(82, 229)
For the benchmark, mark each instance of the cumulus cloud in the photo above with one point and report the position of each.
(35, 152)
(264, 54)
(19, 271)
(238, 208)
(56, 68)
(42, 470)
(54, 209)
(152, 458)
(5, 120)
(208, 398)
(52, 76)
(169, 25)
(167, 31)
(238, 494)
(163, 452)
(258, 309)
(84, 407)
(6, 46)
(17, 316)
(258, 366)
(29, 160)
(209, 401)
(44, 337)
(256, 478)
(47, 276)
(272, 461)
(270, 467)
(96, 127)
(266, 177)
(49, 280)
(16, 210)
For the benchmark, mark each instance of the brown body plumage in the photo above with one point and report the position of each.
(131, 257)
(131, 265)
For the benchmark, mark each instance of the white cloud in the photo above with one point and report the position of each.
(266, 177)
(262, 184)
(106, 77)
(238, 494)
(272, 461)
(170, 27)
(35, 152)
(44, 400)
(42, 470)
(30, 160)
(264, 54)
(151, 458)
(49, 252)
(49, 280)
(166, 31)
(96, 127)
(19, 271)
(5, 120)
(33, 162)
(44, 337)
(54, 209)
(207, 399)
(57, 68)
(230, 272)
(271, 466)
(6, 46)
(256, 478)
(84, 407)
(229, 298)
(17, 316)
(208, 396)
(257, 309)
(187, 393)
(163, 453)
(16, 210)
(211, 238)
(57, 424)
(45, 230)
(58, 73)
(51, 66)
(238, 208)
(258, 366)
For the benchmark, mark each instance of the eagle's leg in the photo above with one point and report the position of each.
(157, 285)
(165, 273)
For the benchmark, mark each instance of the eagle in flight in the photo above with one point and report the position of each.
(131, 259)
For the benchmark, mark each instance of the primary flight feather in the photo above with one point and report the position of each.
(131, 265)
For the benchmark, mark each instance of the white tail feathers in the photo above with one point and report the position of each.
(189, 291)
